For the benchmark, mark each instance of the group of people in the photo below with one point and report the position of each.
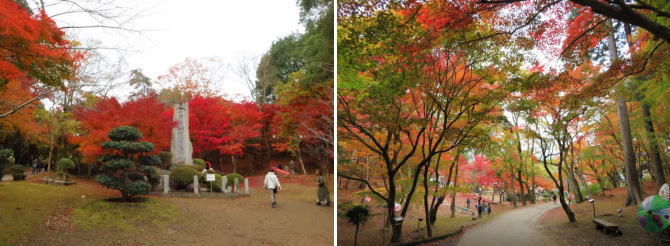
(37, 166)
(481, 207)
(271, 183)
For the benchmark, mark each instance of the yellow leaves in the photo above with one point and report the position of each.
(460, 123)
(12, 95)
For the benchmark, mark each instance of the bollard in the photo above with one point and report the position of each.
(166, 183)
(246, 186)
(224, 183)
(196, 184)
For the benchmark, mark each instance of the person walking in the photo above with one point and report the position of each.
(35, 161)
(272, 183)
(467, 203)
(489, 208)
(553, 197)
(479, 210)
(291, 165)
(322, 193)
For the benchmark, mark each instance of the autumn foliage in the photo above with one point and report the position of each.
(221, 125)
(33, 46)
(146, 114)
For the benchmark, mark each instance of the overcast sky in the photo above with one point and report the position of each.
(173, 30)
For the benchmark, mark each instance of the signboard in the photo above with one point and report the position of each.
(210, 177)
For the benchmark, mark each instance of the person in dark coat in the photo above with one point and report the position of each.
(322, 193)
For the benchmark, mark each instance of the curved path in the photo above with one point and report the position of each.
(517, 227)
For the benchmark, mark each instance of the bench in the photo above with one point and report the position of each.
(608, 227)
(465, 210)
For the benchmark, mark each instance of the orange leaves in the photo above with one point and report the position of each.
(192, 77)
(443, 15)
(149, 116)
(584, 31)
(33, 46)
(13, 94)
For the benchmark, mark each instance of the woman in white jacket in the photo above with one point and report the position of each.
(272, 183)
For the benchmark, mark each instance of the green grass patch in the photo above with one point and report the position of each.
(26, 206)
(124, 216)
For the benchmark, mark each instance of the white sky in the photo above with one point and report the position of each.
(173, 30)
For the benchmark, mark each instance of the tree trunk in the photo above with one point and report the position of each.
(580, 175)
(655, 156)
(566, 208)
(520, 179)
(453, 194)
(634, 195)
(396, 226)
(232, 158)
(51, 150)
(452, 206)
(302, 164)
(514, 195)
(426, 208)
(356, 236)
(574, 186)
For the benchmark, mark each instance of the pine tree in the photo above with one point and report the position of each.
(127, 164)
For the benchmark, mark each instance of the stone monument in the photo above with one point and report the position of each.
(180, 144)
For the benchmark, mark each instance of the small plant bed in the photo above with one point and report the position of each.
(57, 181)
(201, 194)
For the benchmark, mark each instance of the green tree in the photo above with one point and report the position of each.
(6, 157)
(357, 215)
(64, 165)
(127, 165)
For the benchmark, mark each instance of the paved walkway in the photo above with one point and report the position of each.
(517, 227)
(8, 177)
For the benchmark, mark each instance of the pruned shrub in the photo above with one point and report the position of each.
(63, 165)
(17, 172)
(231, 178)
(194, 167)
(216, 184)
(127, 165)
(200, 163)
(166, 158)
(6, 159)
(183, 176)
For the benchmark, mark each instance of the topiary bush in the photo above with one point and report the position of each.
(165, 157)
(126, 166)
(17, 172)
(63, 165)
(194, 167)
(183, 175)
(199, 162)
(6, 159)
(231, 179)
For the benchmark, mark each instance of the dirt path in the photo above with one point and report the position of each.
(211, 221)
(518, 228)
(252, 221)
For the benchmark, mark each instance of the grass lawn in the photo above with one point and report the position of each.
(38, 214)
(124, 217)
(26, 206)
